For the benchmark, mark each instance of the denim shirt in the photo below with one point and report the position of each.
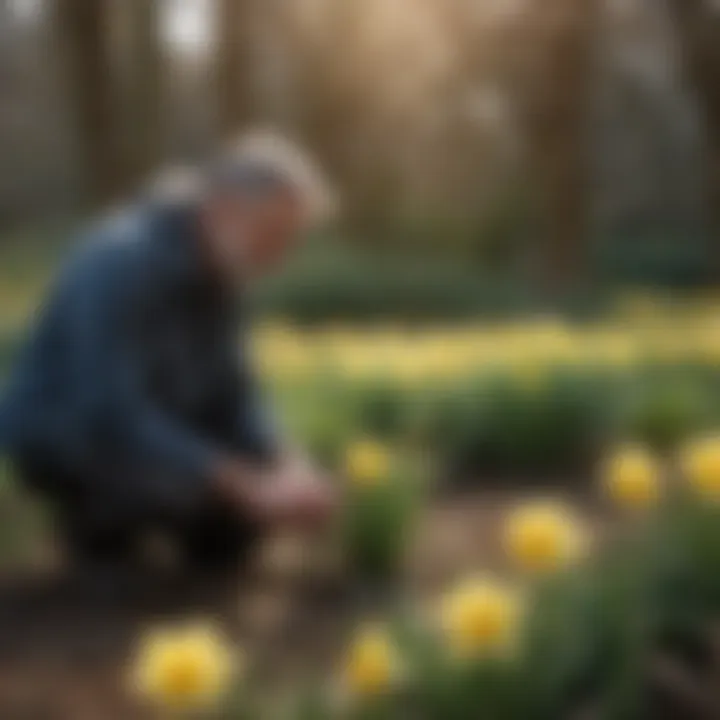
(133, 376)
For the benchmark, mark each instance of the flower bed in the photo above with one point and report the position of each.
(577, 624)
(534, 400)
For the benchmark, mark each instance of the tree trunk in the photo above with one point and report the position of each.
(557, 117)
(233, 65)
(8, 102)
(698, 30)
(143, 135)
(81, 31)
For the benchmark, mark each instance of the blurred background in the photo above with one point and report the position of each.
(530, 190)
(568, 142)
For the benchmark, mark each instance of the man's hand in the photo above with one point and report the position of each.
(290, 494)
(287, 499)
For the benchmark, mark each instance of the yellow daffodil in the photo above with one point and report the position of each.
(184, 668)
(481, 616)
(543, 536)
(372, 664)
(414, 358)
(700, 463)
(632, 478)
(367, 463)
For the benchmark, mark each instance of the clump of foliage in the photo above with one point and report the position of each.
(383, 495)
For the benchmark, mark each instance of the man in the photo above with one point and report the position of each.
(133, 408)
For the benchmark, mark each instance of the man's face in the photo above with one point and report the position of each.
(250, 236)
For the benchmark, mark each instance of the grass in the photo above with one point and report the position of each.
(27, 262)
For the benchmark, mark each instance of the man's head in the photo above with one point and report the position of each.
(256, 201)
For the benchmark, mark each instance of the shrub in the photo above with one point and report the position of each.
(334, 281)
(503, 425)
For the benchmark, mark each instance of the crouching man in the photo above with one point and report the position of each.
(133, 408)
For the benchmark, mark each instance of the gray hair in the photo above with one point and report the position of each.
(260, 162)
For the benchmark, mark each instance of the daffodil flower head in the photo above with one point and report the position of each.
(544, 536)
(184, 668)
(700, 464)
(632, 478)
(481, 617)
(372, 665)
(367, 463)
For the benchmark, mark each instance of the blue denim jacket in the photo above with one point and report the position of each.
(133, 377)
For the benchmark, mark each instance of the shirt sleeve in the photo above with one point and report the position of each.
(162, 459)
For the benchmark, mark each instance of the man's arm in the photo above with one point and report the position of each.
(168, 464)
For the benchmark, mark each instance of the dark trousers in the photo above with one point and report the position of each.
(98, 528)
